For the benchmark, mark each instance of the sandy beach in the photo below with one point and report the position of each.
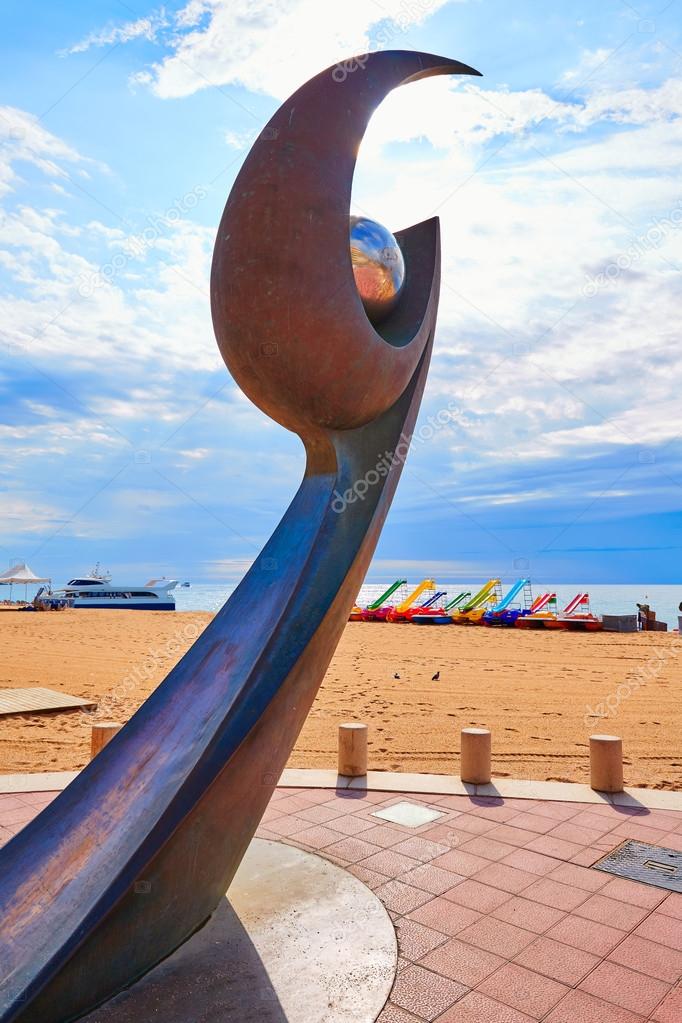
(541, 693)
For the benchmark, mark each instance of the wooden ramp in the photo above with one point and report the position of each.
(33, 701)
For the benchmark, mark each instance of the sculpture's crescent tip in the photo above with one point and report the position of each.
(464, 69)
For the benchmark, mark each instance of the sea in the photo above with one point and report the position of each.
(604, 599)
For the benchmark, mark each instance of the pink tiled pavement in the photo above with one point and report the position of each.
(499, 917)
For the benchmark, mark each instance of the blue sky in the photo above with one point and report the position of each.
(556, 178)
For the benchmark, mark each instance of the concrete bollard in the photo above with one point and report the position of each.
(101, 733)
(606, 763)
(476, 753)
(352, 750)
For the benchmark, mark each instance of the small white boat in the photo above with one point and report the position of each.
(98, 591)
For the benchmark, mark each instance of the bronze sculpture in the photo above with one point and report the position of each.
(134, 856)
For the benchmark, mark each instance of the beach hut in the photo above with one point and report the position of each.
(20, 574)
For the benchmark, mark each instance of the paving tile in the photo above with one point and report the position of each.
(350, 825)
(524, 990)
(316, 796)
(478, 1008)
(508, 879)
(474, 895)
(648, 957)
(521, 803)
(447, 833)
(461, 863)
(20, 814)
(533, 916)
(354, 849)
(266, 835)
(390, 863)
(5, 835)
(589, 819)
(496, 936)
(415, 940)
(463, 804)
(612, 912)
(420, 848)
(624, 987)
(466, 822)
(664, 929)
(292, 803)
(401, 898)
(444, 916)
(366, 797)
(673, 840)
(569, 831)
(512, 835)
(394, 1014)
(672, 906)
(319, 814)
(495, 812)
(655, 819)
(271, 813)
(316, 837)
(651, 835)
(558, 961)
(533, 822)
(552, 893)
(557, 811)
(534, 863)
(39, 799)
(462, 962)
(370, 878)
(431, 879)
(586, 934)
(424, 993)
(338, 860)
(557, 847)
(579, 877)
(288, 825)
(588, 857)
(382, 835)
(670, 1010)
(579, 1007)
(488, 847)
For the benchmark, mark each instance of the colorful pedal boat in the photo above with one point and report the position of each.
(435, 618)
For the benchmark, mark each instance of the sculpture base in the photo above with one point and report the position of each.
(299, 941)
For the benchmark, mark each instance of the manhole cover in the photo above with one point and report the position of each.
(650, 864)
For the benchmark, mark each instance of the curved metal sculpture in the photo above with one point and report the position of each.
(135, 855)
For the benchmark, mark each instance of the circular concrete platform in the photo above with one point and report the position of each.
(299, 941)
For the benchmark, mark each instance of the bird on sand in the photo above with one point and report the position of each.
(396, 675)
(434, 678)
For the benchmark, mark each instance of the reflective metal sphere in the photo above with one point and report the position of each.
(378, 266)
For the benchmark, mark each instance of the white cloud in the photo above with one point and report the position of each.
(274, 47)
(24, 139)
(26, 514)
(142, 28)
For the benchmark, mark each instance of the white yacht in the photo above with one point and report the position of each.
(98, 591)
